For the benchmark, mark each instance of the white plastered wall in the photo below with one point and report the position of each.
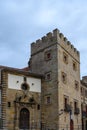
(15, 81)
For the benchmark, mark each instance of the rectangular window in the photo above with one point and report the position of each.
(75, 105)
(38, 107)
(86, 93)
(48, 76)
(74, 66)
(76, 109)
(48, 100)
(65, 102)
(64, 77)
(48, 55)
(9, 104)
(76, 85)
(67, 107)
(65, 58)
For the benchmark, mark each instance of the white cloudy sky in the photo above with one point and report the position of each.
(24, 21)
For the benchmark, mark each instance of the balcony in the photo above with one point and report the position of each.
(67, 108)
(76, 111)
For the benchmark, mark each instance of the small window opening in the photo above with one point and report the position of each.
(74, 66)
(76, 85)
(38, 107)
(48, 76)
(9, 104)
(48, 100)
(64, 77)
(65, 58)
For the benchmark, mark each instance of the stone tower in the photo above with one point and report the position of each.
(57, 59)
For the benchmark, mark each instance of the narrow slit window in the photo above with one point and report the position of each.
(9, 104)
(38, 107)
(48, 100)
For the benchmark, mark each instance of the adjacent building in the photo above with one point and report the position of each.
(20, 99)
(84, 102)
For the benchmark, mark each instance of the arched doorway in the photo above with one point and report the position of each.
(71, 125)
(24, 119)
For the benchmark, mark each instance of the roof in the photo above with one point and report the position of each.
(24, 71)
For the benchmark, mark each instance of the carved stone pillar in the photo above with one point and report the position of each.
(16, 123)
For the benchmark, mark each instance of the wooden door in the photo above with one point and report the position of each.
(24, 119)
(71, 125)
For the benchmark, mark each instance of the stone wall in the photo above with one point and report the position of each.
(4, 99)
(68, 88)
(57, 44)
(14, 100)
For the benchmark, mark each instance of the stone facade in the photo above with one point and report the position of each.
(56, 58)
(48, 94)
(84, 102)
(20, 104)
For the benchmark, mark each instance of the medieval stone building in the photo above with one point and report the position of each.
(47, 96)
(84, 102)
(56, 58)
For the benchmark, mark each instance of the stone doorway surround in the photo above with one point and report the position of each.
(24, 118)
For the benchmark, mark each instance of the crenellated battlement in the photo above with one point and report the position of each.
(55, 37)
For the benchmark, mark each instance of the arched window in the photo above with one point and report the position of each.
(24, 118)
